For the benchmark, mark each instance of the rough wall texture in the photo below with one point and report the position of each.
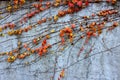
(102, 63)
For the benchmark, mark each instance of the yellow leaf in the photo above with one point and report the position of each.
(11, 59)
(47, 36)
(81, 29)
(62, 74)
(62, 49)
(52, 31)
(0, 29)
(55, 18)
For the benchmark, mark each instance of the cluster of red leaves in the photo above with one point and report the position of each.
(66, 31)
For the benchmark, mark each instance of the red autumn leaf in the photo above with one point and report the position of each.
(71, 5)
(79, 3)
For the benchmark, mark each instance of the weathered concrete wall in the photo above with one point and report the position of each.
(99, 66)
